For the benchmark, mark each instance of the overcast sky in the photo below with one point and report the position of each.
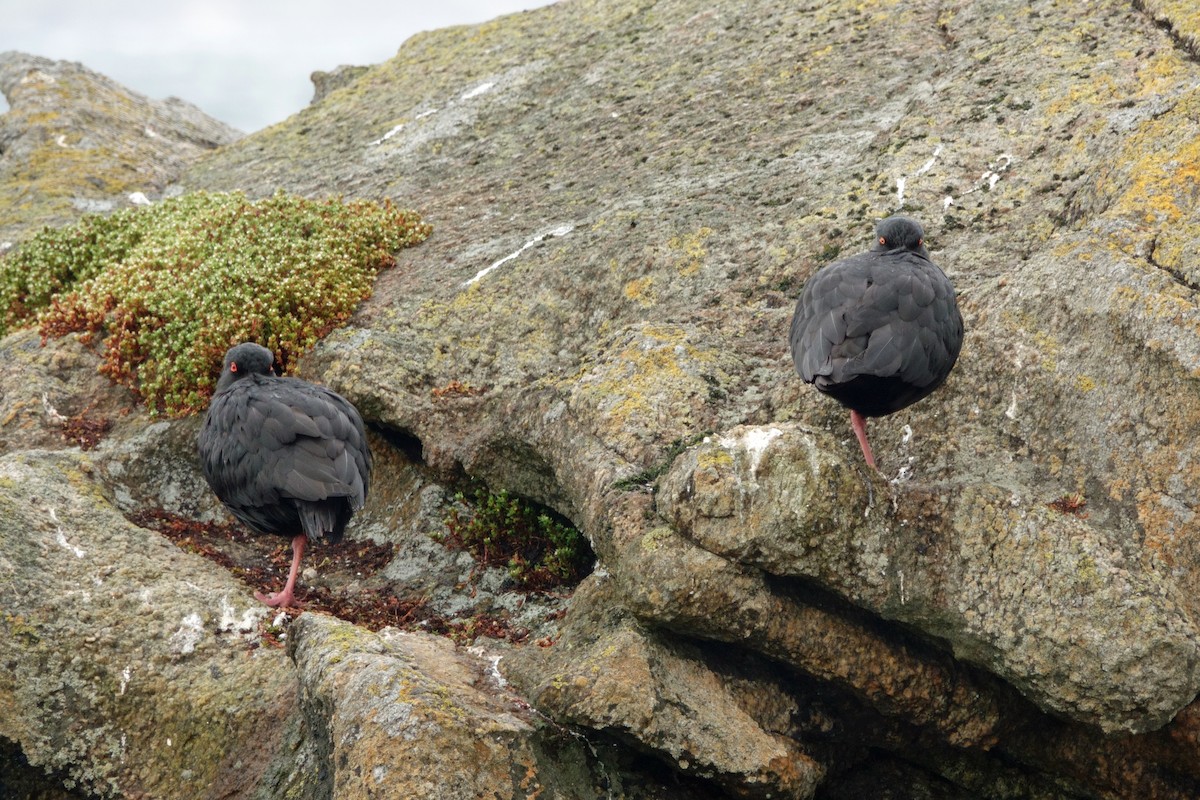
(245, 62)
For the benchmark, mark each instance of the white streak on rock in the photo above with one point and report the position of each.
(755, 442)
(482, 88)
(231, 621)
(902, 182)
(493, 669)
(387, 135)
(561, 230)
(928, 165)
(61, 537)
(992, 175)
(52, 412)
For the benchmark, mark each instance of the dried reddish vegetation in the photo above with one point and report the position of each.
(347, 590)
(85, 429)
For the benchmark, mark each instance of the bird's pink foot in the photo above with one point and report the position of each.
(284, 599)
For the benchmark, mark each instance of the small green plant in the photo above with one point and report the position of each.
(168, 289)
(539, 549)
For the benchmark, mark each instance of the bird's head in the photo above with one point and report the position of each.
(243, 360)
(900, 233)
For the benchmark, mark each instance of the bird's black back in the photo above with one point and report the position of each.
(286, 456)
(877, 331)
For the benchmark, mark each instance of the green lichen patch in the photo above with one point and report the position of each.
(168, 289)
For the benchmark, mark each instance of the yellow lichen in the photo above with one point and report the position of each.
(641, 291)
(652, 538)
(1182, 16)
(1098, 91)
(691, 249)
(1158, 522)
(1087, 575)
(1159, 175)
(653, 380)
(716, 459)
(1127, 301)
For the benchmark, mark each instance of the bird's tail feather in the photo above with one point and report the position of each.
(323, 520)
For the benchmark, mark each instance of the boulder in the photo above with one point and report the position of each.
(74, 141)
(130, 666)
(411, 715)
(1068, 612)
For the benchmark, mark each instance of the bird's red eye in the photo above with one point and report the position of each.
(233, 367)
(920, 242)
(882, 240)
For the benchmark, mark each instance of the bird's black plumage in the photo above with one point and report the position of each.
(880, 330)
(286, 456)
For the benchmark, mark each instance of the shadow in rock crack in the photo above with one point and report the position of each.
(20, 780)
(405, 442)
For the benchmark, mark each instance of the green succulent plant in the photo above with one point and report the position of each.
(165, 290)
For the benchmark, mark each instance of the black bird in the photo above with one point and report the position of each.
(880, 330)
(286, 456)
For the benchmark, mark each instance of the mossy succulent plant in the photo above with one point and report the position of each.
(168, 289)
(58, 258)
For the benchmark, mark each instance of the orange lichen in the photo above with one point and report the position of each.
(456, 389)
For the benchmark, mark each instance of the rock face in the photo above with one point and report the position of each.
(93, 660)
(1082, 624)
(326, 82)
(626, 198)
(399, 709)
(74, 141)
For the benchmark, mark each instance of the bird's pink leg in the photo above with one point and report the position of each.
(859, 423)
(286, 598)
